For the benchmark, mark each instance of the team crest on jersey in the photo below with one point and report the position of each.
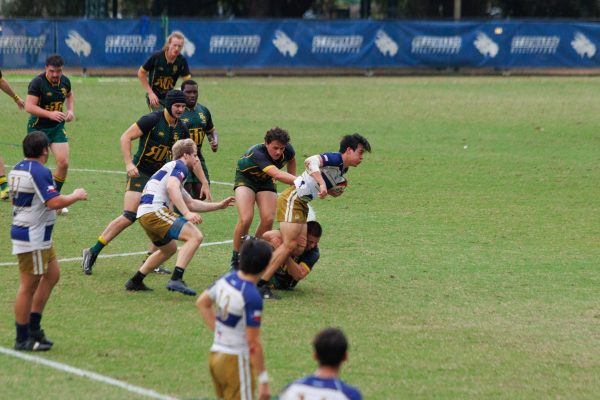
(64, 91)
(160, 68)
(161, 134)
(257, 315)
(186, 120)
(51, 189)
(174, 69)
(202, 117)
(49, 94)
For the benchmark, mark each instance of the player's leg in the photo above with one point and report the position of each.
(61, 155)
(267, 204)
(244, 201)
(192, 238)
(40, 298)
(165, 249)
(114, 228)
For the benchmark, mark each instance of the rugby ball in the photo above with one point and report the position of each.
(340, 184)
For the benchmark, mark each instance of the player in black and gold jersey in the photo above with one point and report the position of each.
(5, 86)
(46, 96)
(160, 72)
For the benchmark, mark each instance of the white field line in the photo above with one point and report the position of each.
(136, 253)
(87, 374)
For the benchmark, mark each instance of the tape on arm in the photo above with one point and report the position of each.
(313, 164)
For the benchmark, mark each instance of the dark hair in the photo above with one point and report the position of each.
(330, 345)
(313, 228)
(188, 82)
(55, 60)
(34, 144)
(279, 134)
(352, 141)
(255, 255)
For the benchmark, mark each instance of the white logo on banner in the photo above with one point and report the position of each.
(436, 44)
(129, 43)
(337, 44)
(21, 44)
(189, 48)
(583, 46)
(486, 46)
(386, 44)
(284, 44)
(234, 44)
(78, 44)
(534, 44)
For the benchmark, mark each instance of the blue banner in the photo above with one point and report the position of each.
(305, 43)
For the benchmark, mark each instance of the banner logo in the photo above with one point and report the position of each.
(189, 48)
(534, 44)
(21, 44)
(284, 44)
(583, 46)
(234, 44)
(129, 43)
(436, 44)
(386, 45)
(337, 44)
(486, 46)
(78, 44)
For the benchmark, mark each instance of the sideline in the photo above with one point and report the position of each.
(87, 374)
(136, 253)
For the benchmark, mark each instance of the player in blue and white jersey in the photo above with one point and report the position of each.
(35, 199)
(323, 172)
(237, 353)
(163, 226)
(331, 350)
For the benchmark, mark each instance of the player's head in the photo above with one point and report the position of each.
(184, 147)
(190, 89)
(255, 255)
(54, 67)
(313, 234)
(174, 44)
(352, 148)
(330, 347)
(175, 103)
(276, 139)
(35, 144)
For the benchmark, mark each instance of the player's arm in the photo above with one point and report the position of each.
(134, 132)
(205, 188)
(204, 206)
(180, 199)
(142, 75)
(204, 304)
(298, 271)
(313, 165)
(4, 85)
(257, 360)
(280, 175)
(70, 104)
(61, 201)
(31, 106)
(291, 166)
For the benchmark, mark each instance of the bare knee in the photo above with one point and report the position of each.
(62, 163)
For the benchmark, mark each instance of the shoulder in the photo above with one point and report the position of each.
(252, 297)
(351, 392)
(202, 109)
(65, 81)
(331, 158)
(37, 81)
(148, 121)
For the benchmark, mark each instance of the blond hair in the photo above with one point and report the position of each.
(174, 34)
(183, 146)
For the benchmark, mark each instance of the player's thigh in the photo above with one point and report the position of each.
(131, 201)
(60, 151)
(189, 232)
(291, 231)
(267, 204)
(244, 201)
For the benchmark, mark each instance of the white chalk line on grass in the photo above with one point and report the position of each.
(87, 374)
(136, 253)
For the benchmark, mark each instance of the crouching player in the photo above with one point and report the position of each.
(237, 353)
(35, 199)
(163, 226)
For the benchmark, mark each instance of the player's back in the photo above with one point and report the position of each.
(316, 388)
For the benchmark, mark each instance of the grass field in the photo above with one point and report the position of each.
(462, 261)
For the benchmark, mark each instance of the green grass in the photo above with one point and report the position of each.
(462, 261)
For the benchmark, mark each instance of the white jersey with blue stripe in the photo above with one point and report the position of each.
(239, 305)
(331, 171)
(155, 195)
(31, 186)
(315, 388)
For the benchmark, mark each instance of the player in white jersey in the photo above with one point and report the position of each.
(323, 172)
(35, 199)
(163, 226)
(237, 353)
(331, 350)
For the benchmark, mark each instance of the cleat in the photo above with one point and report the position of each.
(137, 287)
(32, 345)
(88, 261)
(266, 293)
(4, 194)
(180, 286)
(161, 270)
(235, 265)
(40, 336)
(63, 211)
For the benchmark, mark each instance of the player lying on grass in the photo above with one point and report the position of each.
(164, 226)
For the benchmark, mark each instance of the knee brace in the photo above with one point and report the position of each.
(130, 215)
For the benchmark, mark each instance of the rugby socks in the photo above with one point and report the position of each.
(235, 260)
(262, 283)
(97, 248)
(178, 274)
(59, 182)
(34, 321)
(3, 182)
(22, 332)
(138, 278)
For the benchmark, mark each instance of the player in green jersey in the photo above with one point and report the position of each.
(46, 95)
(199, 122)
(161, 70)
(4, 85)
